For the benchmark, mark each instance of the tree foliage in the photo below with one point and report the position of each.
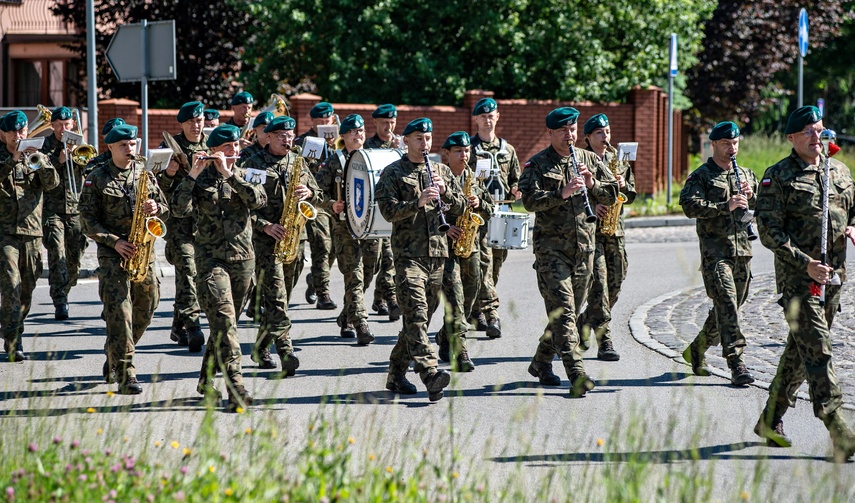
(208, 38)
(432, 52)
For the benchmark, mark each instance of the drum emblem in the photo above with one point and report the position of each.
(358, 196)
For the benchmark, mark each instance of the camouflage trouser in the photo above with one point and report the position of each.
(321, 246)
(222, 288)
(470, 277)
(20, 268)
(807, 355)
(371, 248)
(418, 282)
(452, 290)
(610, 267)
(181, 253)
(352, 254)
(488, 297)
(384, 289)
(275, 323)
(128, 309)
(293, 270)
(563, 281)
(65, 243)
(726, 281)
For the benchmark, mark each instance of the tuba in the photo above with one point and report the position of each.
(41, 123)
(469, 221)
(609, 223)
(144, 230)
(294, 217)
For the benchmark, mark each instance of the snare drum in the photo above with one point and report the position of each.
(508, 230)
(361, 173)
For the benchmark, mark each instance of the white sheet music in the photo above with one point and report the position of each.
(329, 133)
(627, 151)
(25, 143)
(72, 139)
(313, 148)
(482, 168)
(158, 159)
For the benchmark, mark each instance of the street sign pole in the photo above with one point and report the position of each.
(144, 92)
(803, 47)
(671, 74)
(91, 75)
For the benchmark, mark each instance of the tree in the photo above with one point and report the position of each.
(208, 35)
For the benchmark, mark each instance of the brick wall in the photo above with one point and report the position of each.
(643, 118)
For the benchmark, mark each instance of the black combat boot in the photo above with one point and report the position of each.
(290, 363)
(364, 336)
(842, 438)
(15, 351)
(740, 376)
(195, 339)
(398, 383)
(179, 333)
(347, 331)
(263, 359)
(239, 398)
(325, 302)
(544, 373)
(580, 384)
(311, 296)
(773, 432)
(60, 312)
(444, 351)
(130, 386)
(435, 383)
(607, 352)
(494, 328)
(480, 323)
(464, 363)
(394, 311)
(695, 358)
(380, 307)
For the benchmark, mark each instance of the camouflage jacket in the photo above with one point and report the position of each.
(623, 169)
(21, 194)
(107, 204)
(415, 230)
(221, 209)
(705, 197)
(102, 158)
(250, 151)
(313, 164)
(275, 187)
(560, 223)
(789, 217)
(485, 203)
(330, 169)
(180, 228)
(506, 157)
(376, 142)
(60, 199)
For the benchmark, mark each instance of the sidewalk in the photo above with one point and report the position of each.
(89, 261)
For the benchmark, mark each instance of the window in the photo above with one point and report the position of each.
(39, 82)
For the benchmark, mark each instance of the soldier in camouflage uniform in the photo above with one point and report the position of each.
(241, 105)
(217, 194)
(180, 248)
(104, 156)
(352, 254)
(212, 117)
(712, 196)
(20, 230)
(610, 262)
(276, 160)
(461, 279)
(385, 302)
(107, 205)
(789, 217)
(63, 234)
(407, 198)
(563, 242)
(486, 145)
(319, 229)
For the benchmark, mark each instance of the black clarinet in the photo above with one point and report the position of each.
(440, 208)
(741, 214)
(590, 216)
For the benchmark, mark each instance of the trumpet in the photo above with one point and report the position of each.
(35, 161)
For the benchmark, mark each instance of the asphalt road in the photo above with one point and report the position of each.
(646, 407)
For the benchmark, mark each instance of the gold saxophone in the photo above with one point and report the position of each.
(294, 217)
(609, 223)
(469, 221)
(144, 230)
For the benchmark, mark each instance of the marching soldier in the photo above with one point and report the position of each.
(789, 217)
(21, 189)
(212, 117)
(610, 262)
(241, 105)
(486, 145)
(104, 156)
(713, 197)
(407, 197)
(63, 234)
(320, 238)
(275, 279)
(563, 242)
(107, 205)
(258, 125)
(351, 253)
(219, 197)
(180, 248)
(385, 303)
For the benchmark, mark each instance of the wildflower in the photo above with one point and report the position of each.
(157, 443)
(744, 496)
(57, 440)
(351, 440)
(186, 452)
(179, 496)
(126, 439)
(239, 410)
(479, 488)
(90, 410)
(32, 447)
(184, 470)
(371, 457)
(113, 493)
(130, 463)
(600, 442)
(115, 468)
(100, 431)
(175, 444)
(107, 451)
(248, 431)
(325, 500)
(75, 444)
(111, 393)
(389, 469)
(10, 493)
(455, 475)
(228, 491)
(212, 469)
(82, 477)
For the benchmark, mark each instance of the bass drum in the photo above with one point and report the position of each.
(361, 173)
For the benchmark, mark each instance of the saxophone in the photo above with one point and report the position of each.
(294, 217)
(144, 230)
(609, 223)
(468, 221)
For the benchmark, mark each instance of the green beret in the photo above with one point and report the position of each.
(484, 106)
(724, 131)
(802, 117)
(14, 121)
(281, 123)
(595, 122)
(242, 98)
(118, 121)
(224, 133)
(60, 114)
(387, 111)
(211, 114)
(121, 132)
(561, 116)
(262, 119)
(321, 111)
(422, 125)
(458, 139)
(190, 110)
(352, 121)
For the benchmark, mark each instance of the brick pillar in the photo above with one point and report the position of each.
(646, 118)
(471, 97)
(128, 110)
(300, 106)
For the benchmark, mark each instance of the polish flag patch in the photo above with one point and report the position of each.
(766, 182)
(87, 183)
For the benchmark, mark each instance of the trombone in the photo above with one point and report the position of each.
(79, 155)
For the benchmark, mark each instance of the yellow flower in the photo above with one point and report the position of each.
(126, 439)
(600, 442)
(110, 393)
(239, 410)
(229, 491)
(90, 410)
(248, 431)
(157, 443)
(186, 451)
(212, 469)
(389, 469)
(175, 444)
(455, 475)
(351, 440)
(371, 457)
(100, 430)
(744, 496)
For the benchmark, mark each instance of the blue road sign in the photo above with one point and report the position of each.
(803, 32)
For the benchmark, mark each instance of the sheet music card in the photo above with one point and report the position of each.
(329, 132)
(25, 143)
(482, 168)
(627, 151)
(313, 147)
(158, 159)
(256, 176)
(72, 139)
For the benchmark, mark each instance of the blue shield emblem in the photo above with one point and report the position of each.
(358, 197)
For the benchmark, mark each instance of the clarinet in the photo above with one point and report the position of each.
(590, 216)
(440, 208)
(745, 216)
(826, 137)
